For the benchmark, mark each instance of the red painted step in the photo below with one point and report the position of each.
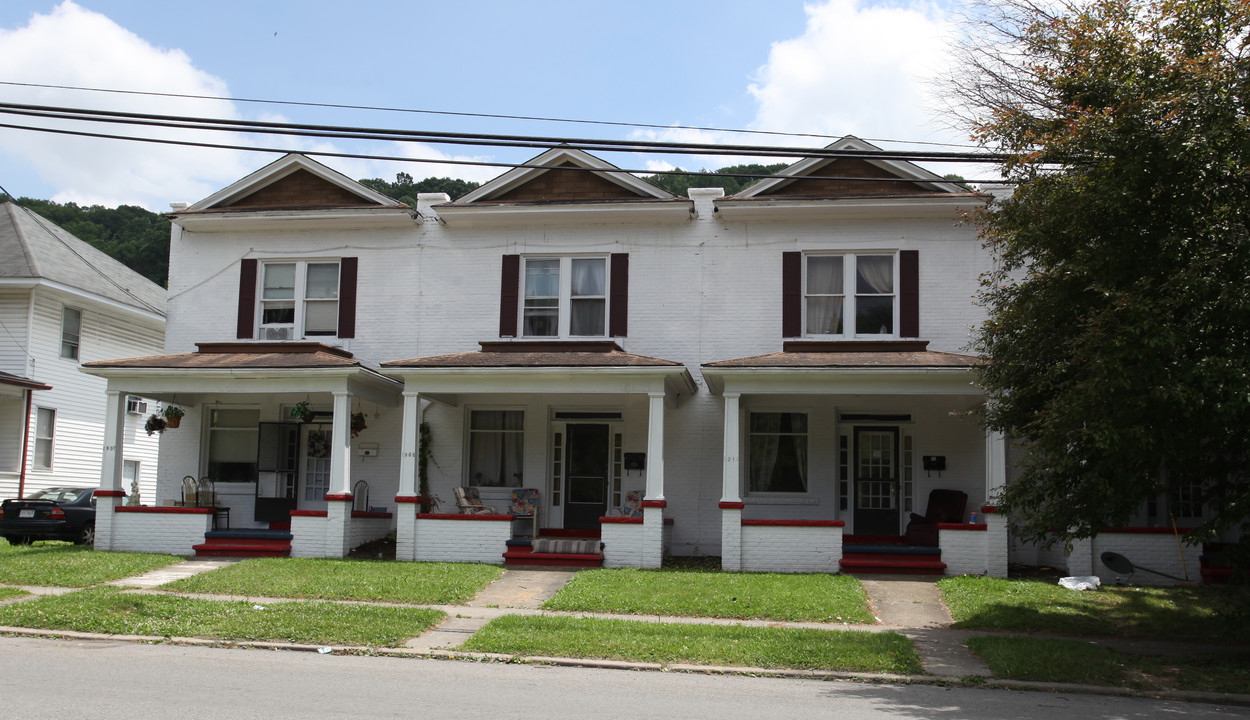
(244, 547)
(523, 555)
(895, 564)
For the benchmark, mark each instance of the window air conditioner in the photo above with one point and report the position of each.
(135, 405)
(278, 333)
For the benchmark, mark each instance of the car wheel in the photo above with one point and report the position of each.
(86, 534)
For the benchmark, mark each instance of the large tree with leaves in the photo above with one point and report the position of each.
(1118, 330)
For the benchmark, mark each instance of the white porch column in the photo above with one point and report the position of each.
(406, 503)
(341, 449)
(731, 496)
(655, 448)
(114, 440)
(995, 464)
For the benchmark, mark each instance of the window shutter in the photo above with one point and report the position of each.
(618, 314)
(909, 293)
(508, 295)
(347, 296)
(791, 294)
(247, 299)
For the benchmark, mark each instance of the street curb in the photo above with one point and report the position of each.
(1052, 688)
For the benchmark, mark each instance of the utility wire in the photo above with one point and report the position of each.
(486, 139)
(449, 113)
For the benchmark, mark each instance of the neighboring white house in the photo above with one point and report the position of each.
(63, 302)
(771, 371)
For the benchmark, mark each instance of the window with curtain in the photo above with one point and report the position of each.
(71, 332)
(45, 432)
(832, 310)
(565, 297)
(302, 296)
(496, 439)
(777, 444)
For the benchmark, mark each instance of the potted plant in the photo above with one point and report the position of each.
(173, 415)
(155, 424)
(358, 423)
(303, 410)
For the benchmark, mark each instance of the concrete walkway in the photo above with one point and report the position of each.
(515, 589)
(913, 607)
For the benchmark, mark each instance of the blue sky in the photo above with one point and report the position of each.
(829, 67)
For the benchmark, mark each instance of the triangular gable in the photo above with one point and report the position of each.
(550, 183)
(794, 181)
(294, 181)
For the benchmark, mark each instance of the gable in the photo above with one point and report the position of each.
(567, 185)
(847, 168)
(299, 189)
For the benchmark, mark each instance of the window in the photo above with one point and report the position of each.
(849, 295)
(45, 430)
(233, 436)
(778, 452)
(71, 331)
(565, 297)
(495, 447)
(299, 299)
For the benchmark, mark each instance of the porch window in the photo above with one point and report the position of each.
(565, 297)
(849, 295)
(71, 332)
(233, 439)
(778, 452)
(299, 299)
(495, 448)
(45, 431)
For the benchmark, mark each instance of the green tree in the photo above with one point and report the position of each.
(405, 190)
(732, 178)
(1118, 330)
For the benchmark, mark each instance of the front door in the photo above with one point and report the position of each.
(586, 462)
(277, 463)
(314, 466)
(876, 481)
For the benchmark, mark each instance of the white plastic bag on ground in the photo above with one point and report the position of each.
(1081, 582)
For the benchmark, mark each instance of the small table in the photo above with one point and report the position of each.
(221, 518)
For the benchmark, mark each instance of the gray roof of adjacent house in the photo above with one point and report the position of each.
(33, 247)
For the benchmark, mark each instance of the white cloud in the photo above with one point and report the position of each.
(74, 46)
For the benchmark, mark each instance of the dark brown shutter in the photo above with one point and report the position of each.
(791, 294)
(247, 299)
(347, 296)
(909, 293)
(510, 285)
(618, 314)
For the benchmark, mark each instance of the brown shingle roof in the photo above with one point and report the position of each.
(538, 354)
(901, 354)
(242, 355)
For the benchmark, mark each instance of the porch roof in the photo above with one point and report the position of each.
(12, 385)
(247, 368)
(542, 366)
(871, 367)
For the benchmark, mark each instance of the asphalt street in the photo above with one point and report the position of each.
(48, 678)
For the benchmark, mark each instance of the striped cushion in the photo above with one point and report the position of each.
(566, 547)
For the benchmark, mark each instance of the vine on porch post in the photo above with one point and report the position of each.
(423, 464)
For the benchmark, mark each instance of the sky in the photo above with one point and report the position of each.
(828, 68)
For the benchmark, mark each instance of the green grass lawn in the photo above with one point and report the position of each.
(771, 596)
(1194, 614)
(1079, 661)
(7, 593)
(697, 644)
(108, 610)
(370, 580)
(61, 564)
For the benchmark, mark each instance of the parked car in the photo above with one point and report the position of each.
(62, 513)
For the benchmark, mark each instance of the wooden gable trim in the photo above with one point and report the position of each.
(300, 189)
(802, 186)
(567, 184)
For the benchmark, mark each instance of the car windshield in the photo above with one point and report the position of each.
(58, 494)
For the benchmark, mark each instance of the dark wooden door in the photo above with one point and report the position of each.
(876, 481)
(586, 459)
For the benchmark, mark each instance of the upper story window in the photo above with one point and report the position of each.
(850, 295)
(777, 448)
(299, 299)
(45, 433)
(71, 331)
(565, 297)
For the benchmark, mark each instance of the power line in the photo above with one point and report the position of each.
(477, 139)
(449, 113)
(441, 161)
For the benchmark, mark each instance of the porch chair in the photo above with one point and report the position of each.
(631, 506)
(524, 506)
(469, 502)
(945, 506)
(205, 493)
(189, 491)
(360, 496)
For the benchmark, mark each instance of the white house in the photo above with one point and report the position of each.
(779, 375)
(63, 302)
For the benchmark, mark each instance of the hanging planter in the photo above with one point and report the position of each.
(358, 423)
(173, 415)
(303, 411)
(155, 424)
